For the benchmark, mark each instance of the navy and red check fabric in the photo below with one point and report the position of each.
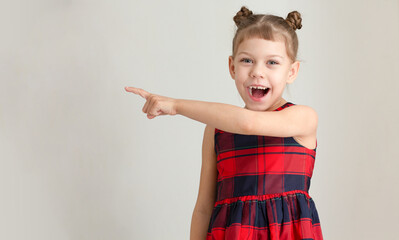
(262, 188)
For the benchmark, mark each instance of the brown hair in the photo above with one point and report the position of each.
(268, 27)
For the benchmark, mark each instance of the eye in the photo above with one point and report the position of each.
(273, 62)
(246, 60)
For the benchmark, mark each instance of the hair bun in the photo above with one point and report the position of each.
(294, 20)
(242, 15)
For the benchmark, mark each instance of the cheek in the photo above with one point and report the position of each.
(240, 71)
(277, 79)
(278, 88)
(240, 86)
(240, 77)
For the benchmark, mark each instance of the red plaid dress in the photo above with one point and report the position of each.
(262, 189)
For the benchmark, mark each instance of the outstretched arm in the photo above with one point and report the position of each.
(223, 116)
(296, 120)
(226, 117)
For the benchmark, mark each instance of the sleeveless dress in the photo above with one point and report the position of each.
(262, 189)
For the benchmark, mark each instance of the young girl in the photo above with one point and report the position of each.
(257, 161)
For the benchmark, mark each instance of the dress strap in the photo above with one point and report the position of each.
(285, 105)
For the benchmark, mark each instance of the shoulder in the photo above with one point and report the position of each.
(301, 109)
(305, 114)
(293, 120)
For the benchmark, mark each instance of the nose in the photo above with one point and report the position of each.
(257, 71)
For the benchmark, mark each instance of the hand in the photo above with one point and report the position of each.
(155, 105)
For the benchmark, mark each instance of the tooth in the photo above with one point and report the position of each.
(250, 90)
(258, 87)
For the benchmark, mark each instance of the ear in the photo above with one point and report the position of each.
(231, 67)
(293, 72)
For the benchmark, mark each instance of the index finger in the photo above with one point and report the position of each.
(139, 91)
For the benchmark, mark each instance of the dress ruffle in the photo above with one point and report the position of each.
(288, 215)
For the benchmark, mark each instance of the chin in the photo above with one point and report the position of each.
(255, 107)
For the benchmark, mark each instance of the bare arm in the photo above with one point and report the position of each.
(223, 116)
(296, 120)
(207, 188)
(226, 117)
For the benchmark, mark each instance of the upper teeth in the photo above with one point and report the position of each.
(258, 87)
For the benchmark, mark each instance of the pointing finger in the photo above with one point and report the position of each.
(138, 91)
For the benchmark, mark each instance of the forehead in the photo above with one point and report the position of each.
(261, 47)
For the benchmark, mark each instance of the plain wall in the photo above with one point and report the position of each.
(80, 160)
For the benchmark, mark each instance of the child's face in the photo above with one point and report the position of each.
(254, 65)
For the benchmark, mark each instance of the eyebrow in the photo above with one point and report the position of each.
(273, 55)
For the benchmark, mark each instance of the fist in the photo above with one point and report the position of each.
(155, 105)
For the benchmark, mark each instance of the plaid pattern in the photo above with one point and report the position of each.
(262, 188)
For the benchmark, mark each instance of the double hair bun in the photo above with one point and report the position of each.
(293, 18)
(242, 15)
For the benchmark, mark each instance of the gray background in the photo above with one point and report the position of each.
(79, 160)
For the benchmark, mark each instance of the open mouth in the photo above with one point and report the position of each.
(258, 92)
